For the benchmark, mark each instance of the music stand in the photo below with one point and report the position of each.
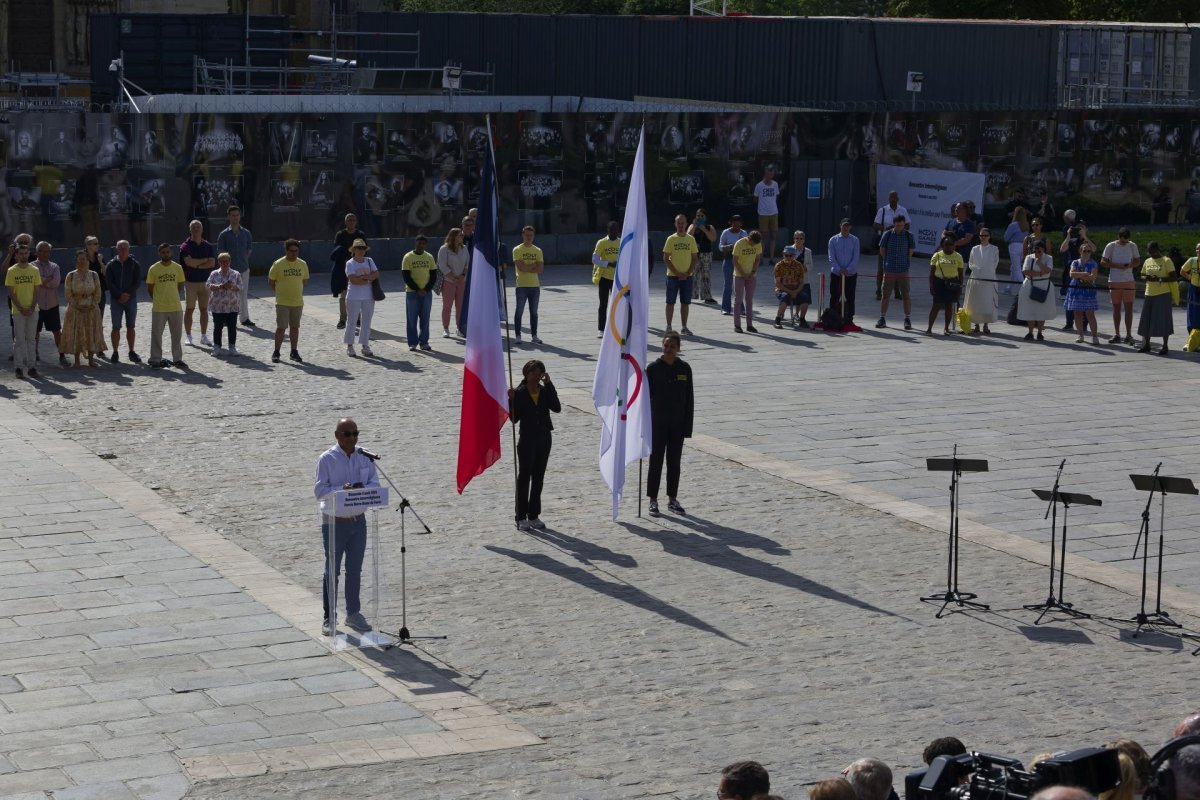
(1163, 485)
(956, 467)
(1053, 602)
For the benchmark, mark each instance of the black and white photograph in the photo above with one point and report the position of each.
(627, 140)
(59, 146)
(671, 144)
(22, 145)
(997, 183)
(62, 202)
(150, 150)
(448, 188)
(212, 194)
(540, 189)
(541, 141)
(114, 143)
(1173, 138)
(997, 137)
(284, 142)
(741, 190)
(1149, 139)
(1097, 135)
(320, 146)
(285, 194)
(114, 204)
(954, 137)
(399, 144)
(704, 143)
(1039, 138)
(1118, 179)
(216, 141)
(596, 147)
(1065, 139)
(322, 188)
(1195, 146)
(448, 140)
(743, 143)
(152, 196)
(687, 188)
(597, 185)
(929, 139)
(366, 144)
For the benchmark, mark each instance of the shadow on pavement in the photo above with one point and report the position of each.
(731, 536)
(616, 589)
(717, 552)
(561, 352)
(47, 386)
(324, 372)
(583, 551)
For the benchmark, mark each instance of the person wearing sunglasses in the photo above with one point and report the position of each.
(341, 467)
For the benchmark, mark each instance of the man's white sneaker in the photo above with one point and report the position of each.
(204, 340)
(187, 337)
(445, 333)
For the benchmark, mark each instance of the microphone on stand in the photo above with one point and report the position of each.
(369, 454)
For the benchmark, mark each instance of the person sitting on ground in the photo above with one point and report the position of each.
(870, 778)
(743, 780)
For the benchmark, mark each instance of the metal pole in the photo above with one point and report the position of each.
(247, 43)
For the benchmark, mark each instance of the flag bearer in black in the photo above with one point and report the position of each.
(671, 407)
(531, 404)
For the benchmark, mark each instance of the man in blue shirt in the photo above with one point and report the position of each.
(962, 228)
(729, 237)
(844, 249)
(237, 241)
(896, 246)
(344, 466)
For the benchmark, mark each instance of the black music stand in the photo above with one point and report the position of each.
(1162, 485)
(1058, 602)
(956, 467)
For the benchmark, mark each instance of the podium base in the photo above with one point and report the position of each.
(960, 599)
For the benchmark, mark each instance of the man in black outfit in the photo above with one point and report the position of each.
(530, 404)
(672, 403)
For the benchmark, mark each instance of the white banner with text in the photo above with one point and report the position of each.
(928, 195)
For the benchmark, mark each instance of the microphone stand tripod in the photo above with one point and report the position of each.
(403, 634)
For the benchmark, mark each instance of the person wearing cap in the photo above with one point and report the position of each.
(1074, 234)
(729, 237)
(789, 275)
(896, 246)
(419, 269)
(844, 249)
(766, 192)
(360, 301)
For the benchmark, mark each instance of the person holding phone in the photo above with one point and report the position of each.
(530, 404)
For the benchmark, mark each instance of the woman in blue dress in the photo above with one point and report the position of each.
(1081, 293)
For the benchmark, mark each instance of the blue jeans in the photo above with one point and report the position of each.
(351, 542)
(530, 294)
(418, 317)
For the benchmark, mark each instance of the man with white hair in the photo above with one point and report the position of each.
(871, 779)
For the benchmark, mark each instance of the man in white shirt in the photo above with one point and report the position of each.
(1121, 258)
(884, 218)
(344, 466)
(766, 192)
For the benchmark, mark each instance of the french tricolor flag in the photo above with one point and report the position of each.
(485, 391)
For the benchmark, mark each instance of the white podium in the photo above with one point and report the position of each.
(355, 578)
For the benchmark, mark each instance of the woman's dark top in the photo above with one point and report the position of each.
(534, 417)
(672, 401)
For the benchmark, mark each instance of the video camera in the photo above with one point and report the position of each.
(979, 776)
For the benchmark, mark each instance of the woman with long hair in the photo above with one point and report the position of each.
(453, 260)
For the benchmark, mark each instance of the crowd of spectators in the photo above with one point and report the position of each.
(1171, 774)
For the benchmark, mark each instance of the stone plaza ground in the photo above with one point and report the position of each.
(160, 567)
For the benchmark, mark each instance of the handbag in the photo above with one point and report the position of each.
(1193, 342)
(963, 317)
(439, 281)
(377, 291)
(1037, 294)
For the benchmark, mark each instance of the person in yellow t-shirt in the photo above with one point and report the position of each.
(419, 269)
(945, 280)
(21, 279)
(604, 270)
(680, 254)
(529, 262)
(163, 281)
(1191, 271)
(747, 255)
(287, 278)
(1161, 286)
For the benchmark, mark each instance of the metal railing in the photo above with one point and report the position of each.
(1098, 96)
(341, 77)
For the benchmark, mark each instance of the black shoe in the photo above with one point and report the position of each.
(1029, 336)
(654, 512)
(180, 364)
(751, 329)
(248, 324)
(1145, 349)
(295, 356)
(134, 357)
(275, 357)
(33, 373)
(341, 326)
(62, 361)
(1040, 337)
(20, 373)
(710, 302)
(674, 506)
(803, 322)
(156, 365)
(1164, 351)
(879, 295)
(779, 322)
(907, 324)
(114, 358)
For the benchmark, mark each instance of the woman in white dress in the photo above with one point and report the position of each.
(1014, 237)
(980, 302)
(1036, 269)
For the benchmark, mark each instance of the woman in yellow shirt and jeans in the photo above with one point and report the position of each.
(1161, 287)
(1191, 271)
(945, 281)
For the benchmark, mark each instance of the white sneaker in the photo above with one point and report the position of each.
(204, 340)
(231, 350)
(350, 351)
(187, 337)
(445, 333)
(535, 340)
(517, 337)
(600, 335)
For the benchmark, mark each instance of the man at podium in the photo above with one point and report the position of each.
(340, 467)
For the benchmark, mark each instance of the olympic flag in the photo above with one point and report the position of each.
(620, 392)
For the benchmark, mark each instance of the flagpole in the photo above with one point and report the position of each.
(503, 291)
(640, 460)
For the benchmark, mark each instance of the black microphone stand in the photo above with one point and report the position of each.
(402, 636)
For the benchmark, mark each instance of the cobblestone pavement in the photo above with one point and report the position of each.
(778, 620)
